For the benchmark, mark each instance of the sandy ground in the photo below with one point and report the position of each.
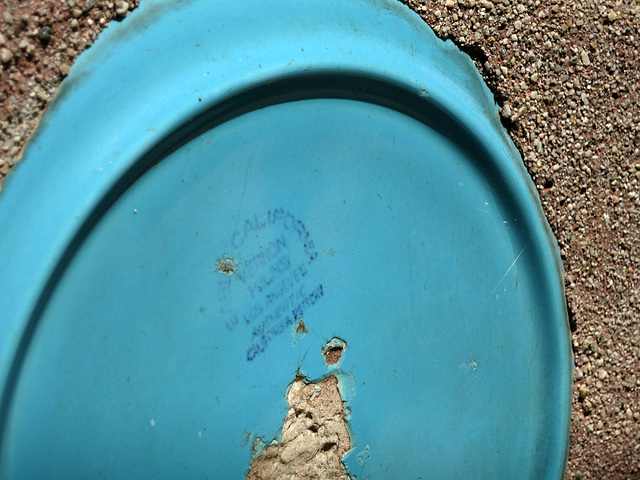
(566, 75)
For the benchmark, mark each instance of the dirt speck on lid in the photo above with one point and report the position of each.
(300, 328)
(227, 266)
(314, 436)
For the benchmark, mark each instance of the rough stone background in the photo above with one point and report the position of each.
(566, 76)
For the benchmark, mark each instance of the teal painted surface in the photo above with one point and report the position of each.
(353, 167)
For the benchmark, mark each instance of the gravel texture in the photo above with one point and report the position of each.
(39, 41)
(566, 76)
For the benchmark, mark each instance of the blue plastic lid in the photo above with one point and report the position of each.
(218, 191)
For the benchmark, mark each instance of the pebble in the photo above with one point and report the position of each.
(12, 155)
(583, 391)
(584, 56)
(88, 6)
(537, 145)
(6, 55)
(521, 111)
(64, 69)
(44, 35)
(123, 7)
(76, 12)
(612, 16)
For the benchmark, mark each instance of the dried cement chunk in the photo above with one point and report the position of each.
(314, 436)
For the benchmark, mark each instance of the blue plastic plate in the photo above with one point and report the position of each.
(210, 175)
